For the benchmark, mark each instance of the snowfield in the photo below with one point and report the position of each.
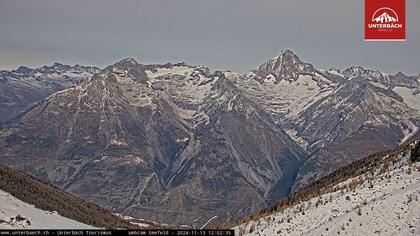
(387, 204)
(15, 214)
(411, 98)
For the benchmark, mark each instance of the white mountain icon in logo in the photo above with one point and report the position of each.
(385, 17)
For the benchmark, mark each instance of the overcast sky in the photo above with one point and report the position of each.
(221, 34)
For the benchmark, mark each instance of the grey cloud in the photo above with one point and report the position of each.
(222, 34)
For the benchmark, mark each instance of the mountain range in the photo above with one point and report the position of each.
(22, 88)
(181, 144)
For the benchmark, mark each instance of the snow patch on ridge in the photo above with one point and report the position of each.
(175, 70)
(409, 96)
(285, 98)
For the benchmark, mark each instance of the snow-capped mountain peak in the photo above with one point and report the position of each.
(128, 62)
(23, 70)
(286, 65)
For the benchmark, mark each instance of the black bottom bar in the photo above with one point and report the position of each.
(158, 232)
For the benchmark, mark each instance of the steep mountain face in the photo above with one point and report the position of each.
(337, 117)
(285, 66)
(22, 88)
(171, 143)
(370, 113)
(355, 121)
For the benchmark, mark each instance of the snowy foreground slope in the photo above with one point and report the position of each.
(376, 203)
(23, 198)
(15, 214)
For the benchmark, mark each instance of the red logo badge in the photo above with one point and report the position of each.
(385, 20)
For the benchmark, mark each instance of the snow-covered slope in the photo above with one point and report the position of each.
(381, 202)
(26, 202)
(15, 214)
(410, 96)
(285, 86)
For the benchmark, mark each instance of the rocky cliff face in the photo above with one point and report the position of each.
(181, 144)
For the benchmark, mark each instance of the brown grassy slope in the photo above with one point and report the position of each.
(48, 197)
(326, 183)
